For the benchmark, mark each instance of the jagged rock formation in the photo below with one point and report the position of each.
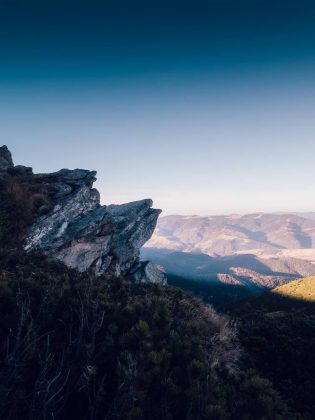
(84, 235)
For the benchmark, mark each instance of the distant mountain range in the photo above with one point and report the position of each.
(226, 235)
(307, 215)
(254, 251)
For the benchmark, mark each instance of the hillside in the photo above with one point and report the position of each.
(302, 289)
(207, 275)
(277, 329)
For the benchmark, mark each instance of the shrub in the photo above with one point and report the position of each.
(21, 199)
(84, 348)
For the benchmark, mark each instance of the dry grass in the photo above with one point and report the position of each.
(302, 289)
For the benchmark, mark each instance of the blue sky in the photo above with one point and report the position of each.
(202, 106)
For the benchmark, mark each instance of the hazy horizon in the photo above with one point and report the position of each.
(227, 213)
(242, 213)
(206, 107)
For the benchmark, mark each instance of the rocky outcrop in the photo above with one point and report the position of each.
(6, 161)
(85, 235)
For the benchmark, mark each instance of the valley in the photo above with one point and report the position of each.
(230, 234)
(253, 252)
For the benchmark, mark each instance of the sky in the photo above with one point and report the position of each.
(206, 107)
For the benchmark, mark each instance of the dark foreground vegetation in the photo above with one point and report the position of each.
(76, 347)
(278, 333)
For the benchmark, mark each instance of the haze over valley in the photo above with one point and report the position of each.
(260, 250)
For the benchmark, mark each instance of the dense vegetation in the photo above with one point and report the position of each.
(278, 332)
(76, 347)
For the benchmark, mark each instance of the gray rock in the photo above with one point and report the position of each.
(147, 271)
(89, 237)
(6, 161)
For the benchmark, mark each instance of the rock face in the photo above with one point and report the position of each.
(85, 235)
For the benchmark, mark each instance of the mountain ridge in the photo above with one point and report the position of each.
(225, 235)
